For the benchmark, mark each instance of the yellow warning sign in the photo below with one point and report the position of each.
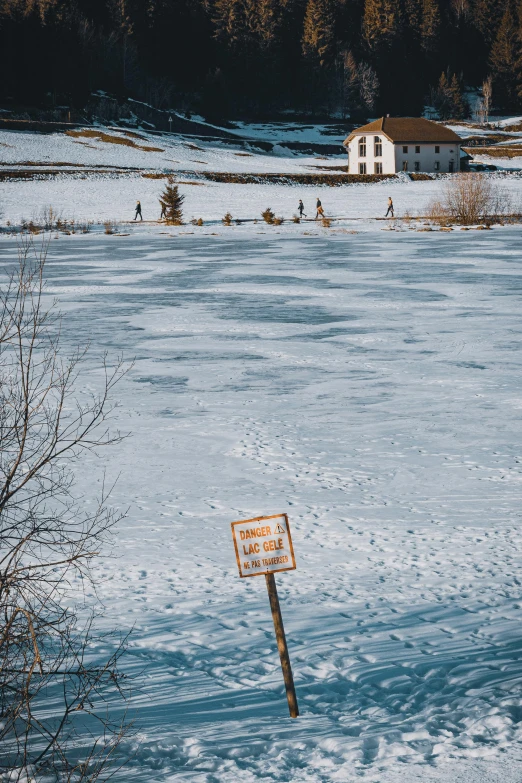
(263, 545)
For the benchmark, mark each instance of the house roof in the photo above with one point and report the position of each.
(407, 129)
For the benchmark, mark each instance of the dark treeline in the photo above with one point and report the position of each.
(257, 57)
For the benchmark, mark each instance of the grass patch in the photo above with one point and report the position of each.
(333, 180)
(493, 138)
(158, 175)
(496, 152)
(87, 133)
(45, 163)
(14, 175)
(517, 126)
(332, 168)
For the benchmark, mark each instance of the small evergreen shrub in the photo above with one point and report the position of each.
(173, 200)
(268, 216)
(326, 222)
(296, 219)
(227, 220)
(278, 221)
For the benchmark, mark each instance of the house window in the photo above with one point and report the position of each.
(405, 150)
(362, 147)
(450, 169)
(437, 165)
(378, 168)
(437, 150)
(378, 147)
(417, 165)
(405, 165)
(417, 150)
(362, 168)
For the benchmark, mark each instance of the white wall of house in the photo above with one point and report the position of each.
(426, 157)
(394, 156)
(387, 159)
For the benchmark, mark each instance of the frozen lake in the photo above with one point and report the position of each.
(369, 386)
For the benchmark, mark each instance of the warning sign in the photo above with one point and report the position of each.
(263, 545)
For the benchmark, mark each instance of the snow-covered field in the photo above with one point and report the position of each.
(369, 386)
(364, 380)
(102, 178)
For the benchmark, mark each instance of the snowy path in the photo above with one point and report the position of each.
(368, 385)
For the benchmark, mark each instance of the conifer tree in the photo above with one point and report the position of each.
(173, 201)
(319, 30)
(230, 22)
(447, 98)
(413, 13)
(268, 21)
(459, 107)
(504, 59)
(487, 15)
(430, 25)
(380, 22)
(441, 97)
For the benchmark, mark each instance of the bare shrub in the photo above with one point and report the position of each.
(111, 226)
(470, 198)
(268, 216)
(50, 219)
(326, 222)
(54, 687)
(227, 219)
(436, 213)
(296, 219)
(278, 221)
(197, 221)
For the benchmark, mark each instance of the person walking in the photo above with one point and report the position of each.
(163, 210)
(320, 210)
(300, 208)
(390, 207)
(138, 211)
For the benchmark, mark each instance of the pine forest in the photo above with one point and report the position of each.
(260, 58)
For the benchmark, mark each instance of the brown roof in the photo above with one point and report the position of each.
(402, 129)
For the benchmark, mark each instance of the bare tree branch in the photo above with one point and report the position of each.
(46, 537)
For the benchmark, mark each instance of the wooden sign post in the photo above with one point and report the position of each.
(263, 547)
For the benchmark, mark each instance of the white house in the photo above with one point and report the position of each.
(392, 144)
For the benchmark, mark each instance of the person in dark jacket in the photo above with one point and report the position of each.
(390, 207)
(301, 208)
(320, 210)
(138, 211)
(163, 210)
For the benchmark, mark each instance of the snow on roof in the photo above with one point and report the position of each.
(407, 129)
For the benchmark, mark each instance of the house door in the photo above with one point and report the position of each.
(450, 167)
